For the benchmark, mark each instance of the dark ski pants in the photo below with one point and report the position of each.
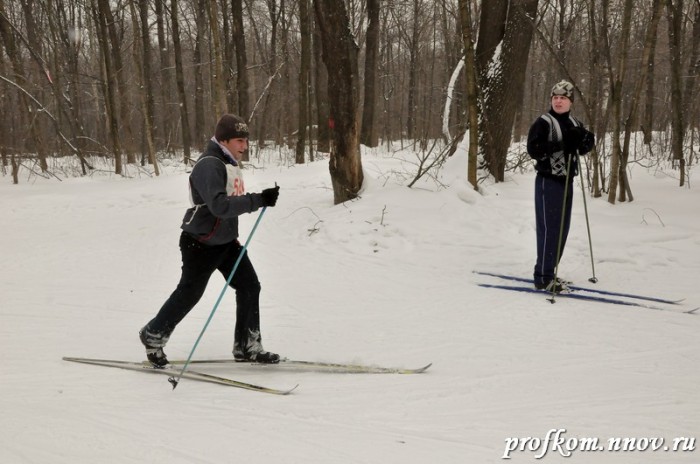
(199, 262)
(549, 202)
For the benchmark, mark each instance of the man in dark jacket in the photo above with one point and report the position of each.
(554, 140)
(209, 242)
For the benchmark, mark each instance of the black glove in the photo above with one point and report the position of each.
(573, 138)
(270, 195)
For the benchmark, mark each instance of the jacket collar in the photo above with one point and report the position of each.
(225, 154)
(559, 116)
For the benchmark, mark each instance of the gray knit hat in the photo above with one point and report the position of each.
(564, 88)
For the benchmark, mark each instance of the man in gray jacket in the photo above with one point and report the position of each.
(209, 242)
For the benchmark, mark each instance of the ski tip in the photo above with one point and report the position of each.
(418, 370)
(424, 368)
(275, 391)
(291, 390)
(692, 311)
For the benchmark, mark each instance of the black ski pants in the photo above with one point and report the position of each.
(199, 261)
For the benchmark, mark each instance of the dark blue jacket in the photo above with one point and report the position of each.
(218, 198)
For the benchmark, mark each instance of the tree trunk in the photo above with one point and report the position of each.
(594, 95)
(492, 28)
(272, 71)
(228, 50)
(241, 59)
(139, 64)
(165, 87)
(340, 54)
(691, 84)
(646, 65)
(180, 81)
(648, 118)
(675, 22)
(127, 138)
(413, 72)
(218, 92)
(146, 60)
(35, 45)
(100, 16)
(285, 118)
(198, 62)
(472, 100)
(502, 77)
(369, 119)
(304, 74)
(323, 135)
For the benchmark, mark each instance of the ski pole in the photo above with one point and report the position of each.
(561, 227)
(593, 279)
(173, 380)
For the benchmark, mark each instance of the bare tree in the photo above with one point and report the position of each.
(271, 67)
(471, 83)
(506, 30)
(238, 33)
(218, 91)
(413, 49)
(165, 123)
(304, 79)
(369, 119)
(675, 20)
(340, 54)
(99, 9)
(20, 77)
(646, 65)
(198, 69)
(146, 58)
(321, 93)
(180, 81)
(140, 64)
(617, 172)
(54, 60)
(693, 74)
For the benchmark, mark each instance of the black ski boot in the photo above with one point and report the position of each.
(556, 286)
(262, 357)
(254, 353)
(154, 344)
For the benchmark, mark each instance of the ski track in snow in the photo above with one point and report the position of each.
(387, 280)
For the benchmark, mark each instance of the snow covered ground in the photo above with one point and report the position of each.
(387, 280)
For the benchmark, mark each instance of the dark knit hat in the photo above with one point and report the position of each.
(564, 88)
(231, 126)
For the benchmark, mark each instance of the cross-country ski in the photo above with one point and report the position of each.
(188, 374)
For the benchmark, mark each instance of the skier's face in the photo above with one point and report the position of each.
(236, 146)
(560, 104)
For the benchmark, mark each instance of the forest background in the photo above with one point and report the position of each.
(138, 81)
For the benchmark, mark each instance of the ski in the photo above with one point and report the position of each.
(576, 288)
(315, 365)
(172, 371)
(578, 296)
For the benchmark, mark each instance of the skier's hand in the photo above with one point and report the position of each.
(270, 196)
(587, 141)
(573, 138)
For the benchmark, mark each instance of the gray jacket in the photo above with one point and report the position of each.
(218, 198)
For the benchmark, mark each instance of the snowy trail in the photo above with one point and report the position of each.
(384, 280)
